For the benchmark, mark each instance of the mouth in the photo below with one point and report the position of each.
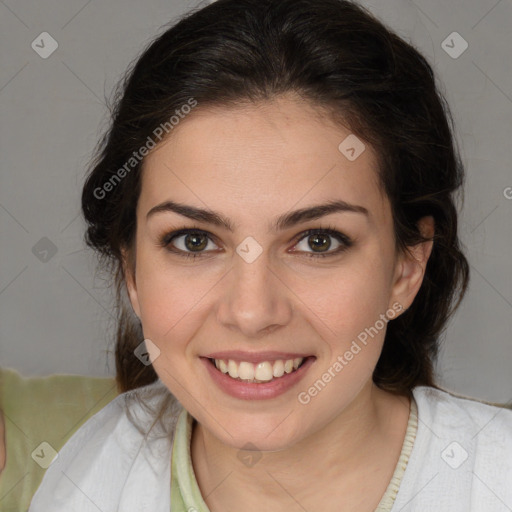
(258, 372)
(265, 376)
(249, 375)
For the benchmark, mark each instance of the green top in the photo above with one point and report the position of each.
(40, 415)
(185, 493)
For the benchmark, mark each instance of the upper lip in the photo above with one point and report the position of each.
(254, 357)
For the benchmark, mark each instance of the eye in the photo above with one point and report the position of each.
(193, 240)
(321, 239)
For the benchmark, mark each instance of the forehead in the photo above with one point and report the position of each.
(261, 159)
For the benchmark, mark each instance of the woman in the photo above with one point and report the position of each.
(275, 198)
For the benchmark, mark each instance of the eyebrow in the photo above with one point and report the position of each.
(282, 222)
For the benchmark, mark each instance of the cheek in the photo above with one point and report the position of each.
(348, 317)
(174, 302)
(166, 297)
(350, 297)
(168, 310)
(170, 318)
(352, 332)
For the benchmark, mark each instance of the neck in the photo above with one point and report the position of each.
(362, 443)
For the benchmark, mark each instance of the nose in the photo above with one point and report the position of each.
(254, 299)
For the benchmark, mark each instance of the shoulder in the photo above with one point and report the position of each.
(115, 457)
(461, 458)
(447, 411)
(472, 429)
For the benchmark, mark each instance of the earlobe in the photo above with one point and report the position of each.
(130, 281)
(412, 265)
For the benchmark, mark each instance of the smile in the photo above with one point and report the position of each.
(264, 371)
(265, 377)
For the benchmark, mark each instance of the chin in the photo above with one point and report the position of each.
(255, 433)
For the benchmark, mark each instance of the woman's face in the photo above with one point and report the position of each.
(265, 291)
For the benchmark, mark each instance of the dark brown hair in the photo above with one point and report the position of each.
(340, 59)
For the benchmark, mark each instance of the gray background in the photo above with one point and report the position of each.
(57, 315)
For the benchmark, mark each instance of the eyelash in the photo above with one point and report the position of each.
(166, 239)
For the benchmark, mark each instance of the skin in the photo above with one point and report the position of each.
(251, 164)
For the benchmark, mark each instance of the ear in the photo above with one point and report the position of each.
(410, 267)
(130, 280)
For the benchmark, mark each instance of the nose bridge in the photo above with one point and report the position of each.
(254, 300)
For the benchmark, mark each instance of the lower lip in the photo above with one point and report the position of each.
(255, 391)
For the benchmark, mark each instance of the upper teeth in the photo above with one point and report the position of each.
(263, 371)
